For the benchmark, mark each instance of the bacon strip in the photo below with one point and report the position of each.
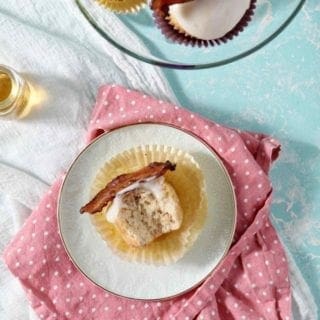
(159, 4)
(154, 169)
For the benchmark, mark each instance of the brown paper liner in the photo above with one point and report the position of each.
(188, 182)
(173, 32)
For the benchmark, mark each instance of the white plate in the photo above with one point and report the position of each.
(91, 254)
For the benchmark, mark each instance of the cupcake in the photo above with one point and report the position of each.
(140, 204)
(123, 6)
(149, 204)
(146, 212)
(202, 22)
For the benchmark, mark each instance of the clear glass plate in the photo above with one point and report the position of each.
(137, 35)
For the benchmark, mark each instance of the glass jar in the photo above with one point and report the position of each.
(14, 92)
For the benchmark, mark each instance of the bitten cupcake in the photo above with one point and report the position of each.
(202, 22)
(149, 204)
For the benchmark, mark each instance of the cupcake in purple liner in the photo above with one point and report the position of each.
(202, 22)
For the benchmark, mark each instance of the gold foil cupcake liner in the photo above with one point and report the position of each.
(188, 182)
(123, 6)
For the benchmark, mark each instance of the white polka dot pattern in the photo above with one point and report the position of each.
(256, 267)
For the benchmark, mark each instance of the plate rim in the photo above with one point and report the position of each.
(221, 165)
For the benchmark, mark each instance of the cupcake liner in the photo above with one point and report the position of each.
(123, 6)
(188, 182)
(162, 20)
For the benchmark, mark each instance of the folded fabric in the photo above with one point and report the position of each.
(250, 283)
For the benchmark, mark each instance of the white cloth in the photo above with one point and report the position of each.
(53, 44)
(58, 50)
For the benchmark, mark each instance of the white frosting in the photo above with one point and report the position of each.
(208, 19)
(152, 184)
(113, 210)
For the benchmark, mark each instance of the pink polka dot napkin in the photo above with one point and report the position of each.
(250, 283)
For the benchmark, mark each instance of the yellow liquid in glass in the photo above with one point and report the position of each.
(5, 86)
(17, 96)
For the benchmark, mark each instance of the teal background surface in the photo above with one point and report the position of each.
(276, 91)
